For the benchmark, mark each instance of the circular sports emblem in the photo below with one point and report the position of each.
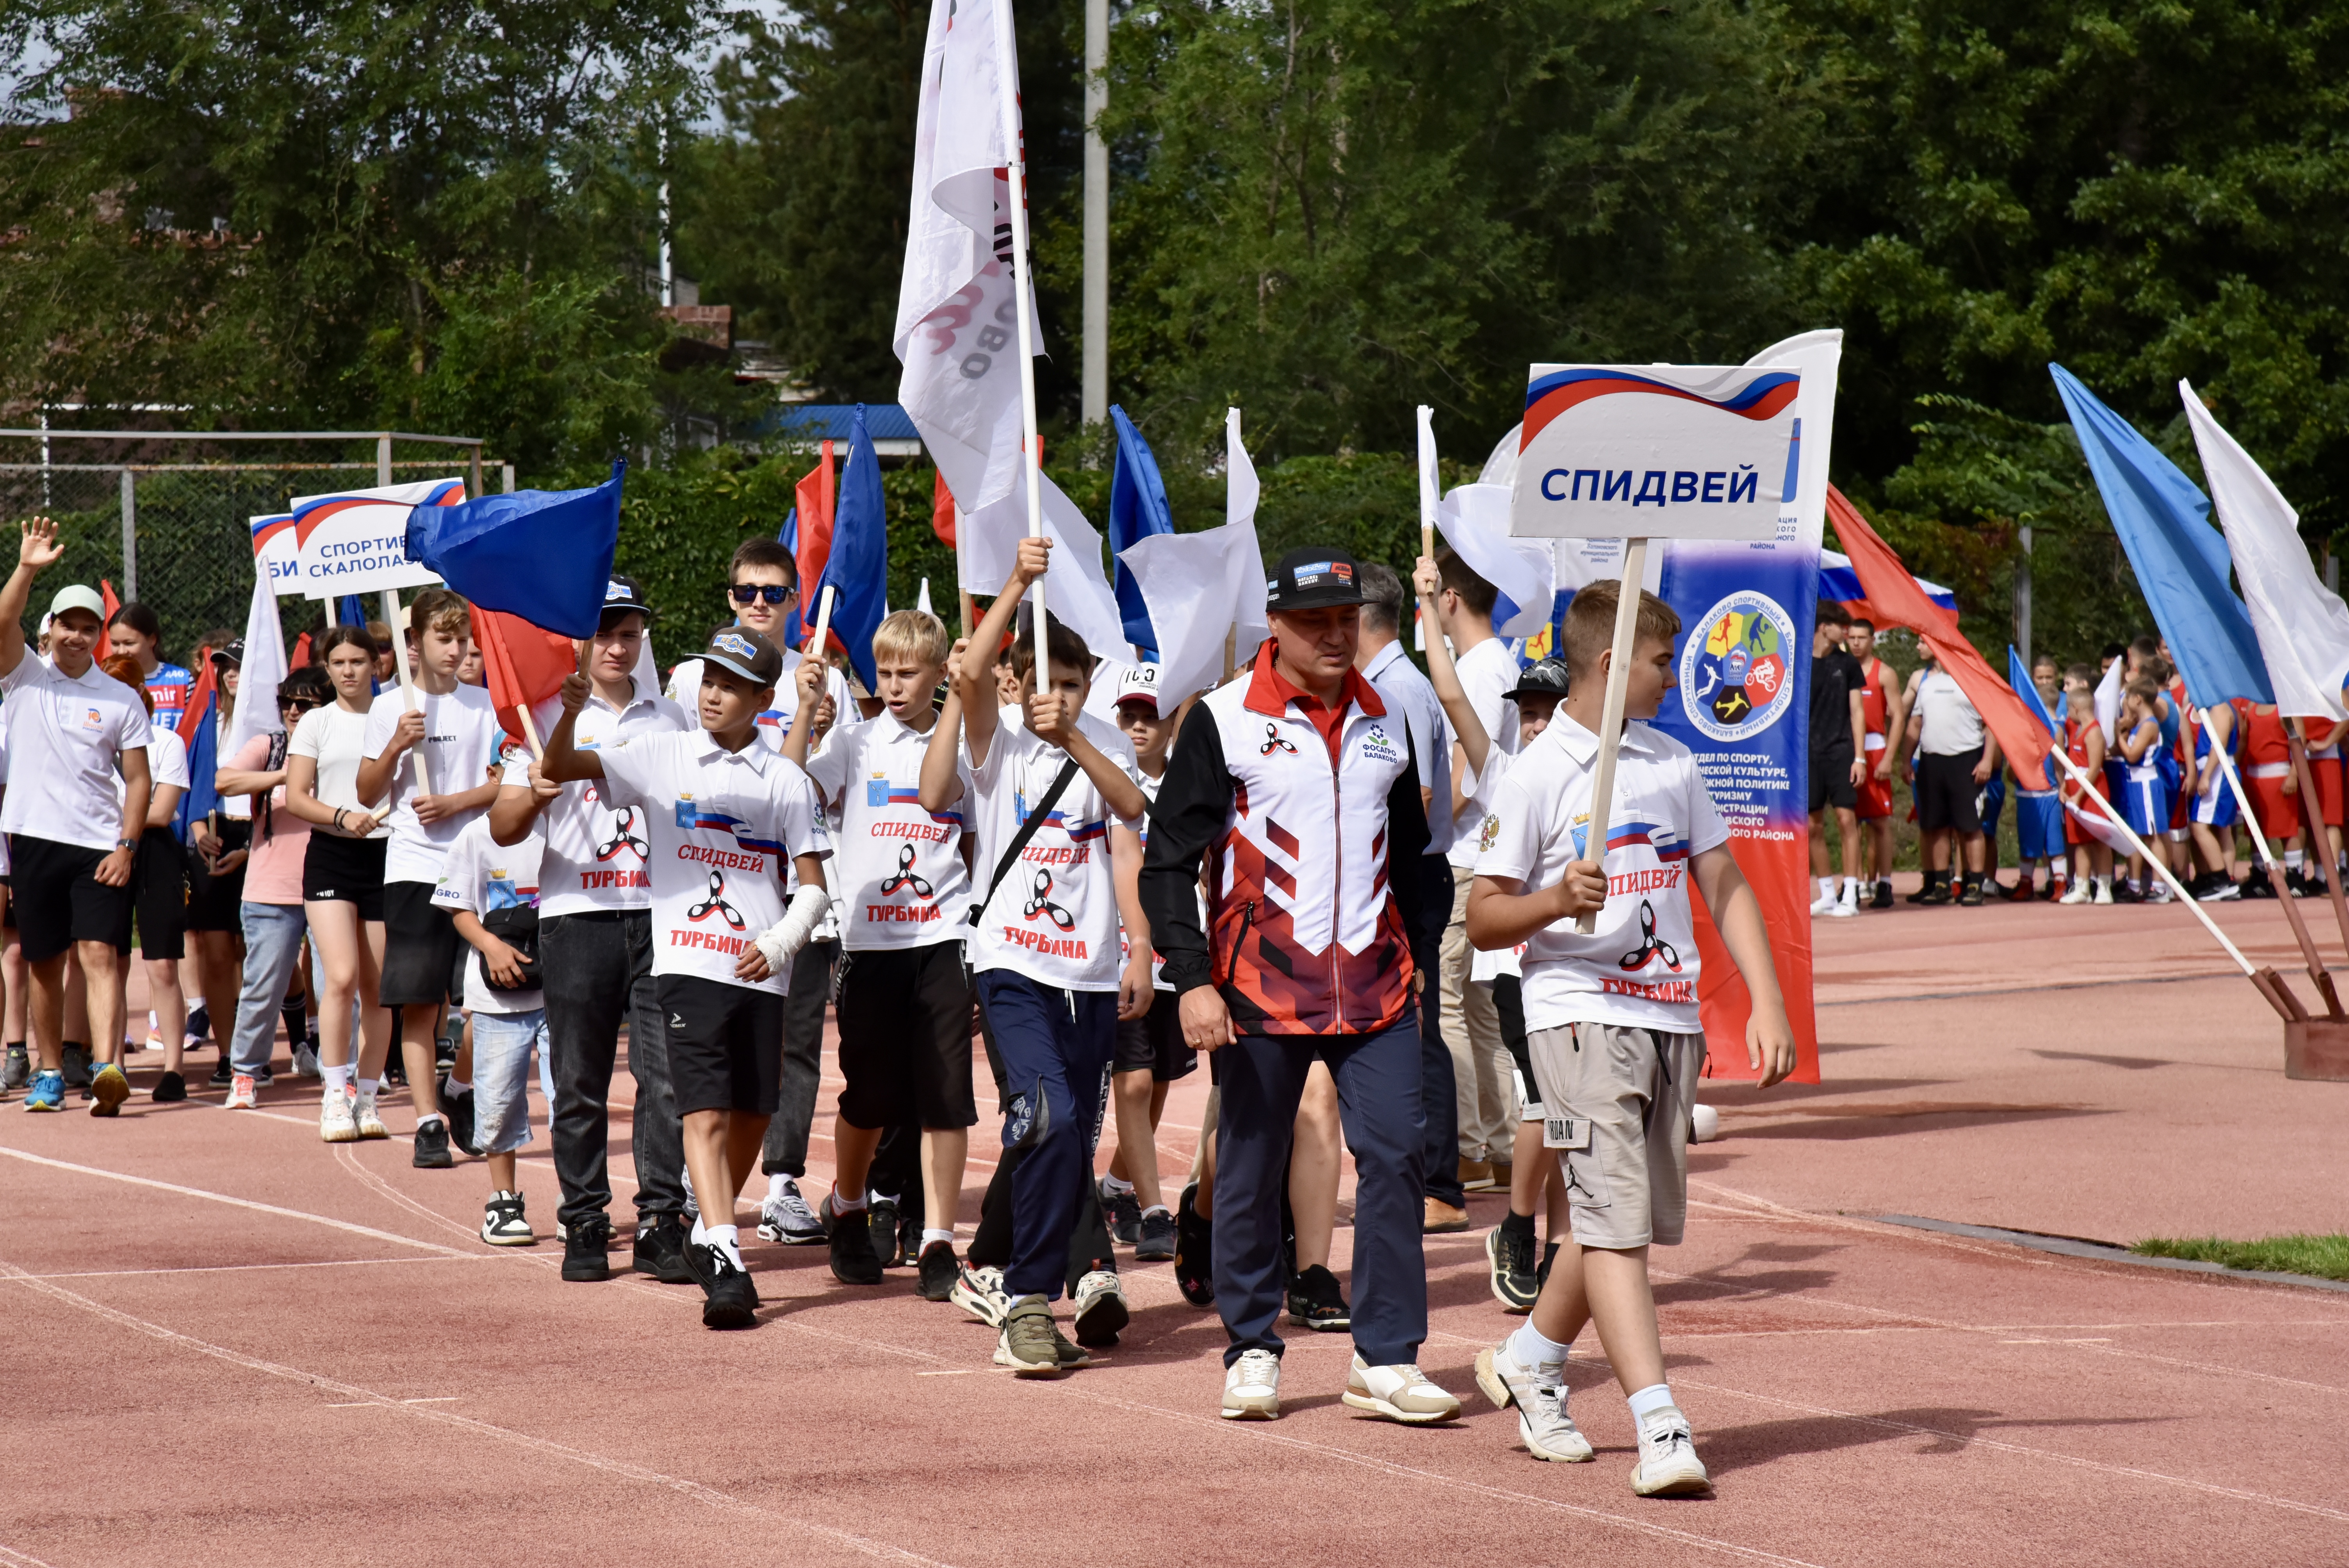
(1735, 681)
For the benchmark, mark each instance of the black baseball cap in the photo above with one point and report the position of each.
(1313, 578)
(1543, 677)
(746, 654)
(622, 594)
(229, 652)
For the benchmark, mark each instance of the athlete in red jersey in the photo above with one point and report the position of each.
(1880, 707)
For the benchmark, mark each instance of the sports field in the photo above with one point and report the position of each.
(236, 1344)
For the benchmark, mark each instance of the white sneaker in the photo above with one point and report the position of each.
(503, 1225)
(1848, 905)
(785, 1217)
(1824, 904)
(363, 1116)
(336, 1123)
(2077, 893)
(306, 1061)
(1102, 1309)
(2104, 893)
(1400, 1393)
(1667, 1464)
(240, 1093)
(1252, 1388)
(979, 1292)
(1539, 1395)
(2159, 893)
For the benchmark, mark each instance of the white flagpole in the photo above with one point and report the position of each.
(2317, 973)
(1006, 66)
(2177, 889)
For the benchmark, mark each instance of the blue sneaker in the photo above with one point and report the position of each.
(48, 1091)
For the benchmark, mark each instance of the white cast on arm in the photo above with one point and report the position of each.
(781, 942)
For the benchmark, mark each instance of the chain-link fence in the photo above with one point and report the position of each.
(178, 536)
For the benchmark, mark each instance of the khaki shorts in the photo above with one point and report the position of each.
(1619, 1105)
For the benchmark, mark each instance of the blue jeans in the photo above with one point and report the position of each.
(272, 946)
(503, 1043)
(1057, 1044)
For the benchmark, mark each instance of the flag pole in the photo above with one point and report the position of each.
(1611, 724)
(1007, 56)
(2311, 814)
(408, 700)
(2317, 973)
(968, 619)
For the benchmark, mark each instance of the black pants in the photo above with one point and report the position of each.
(784, 1152)
(1438, 1096)
(1089, 1247)
(599, 974)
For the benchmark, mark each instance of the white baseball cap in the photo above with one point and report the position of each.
(76, 597)
(1140, 685)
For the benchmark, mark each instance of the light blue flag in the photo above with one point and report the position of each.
(2019, 678)
(2164, 521)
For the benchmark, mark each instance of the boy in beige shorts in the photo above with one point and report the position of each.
(1611, 1021)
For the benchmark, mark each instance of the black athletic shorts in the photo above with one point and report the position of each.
(1946, 793)
(905, 1038)
(725, 1044)
(1509, 1002)
(217, 903)
(420, 947)
(336, 869)
(159, 895)
(1155, 1041)
(59, 899)
(1831, 780)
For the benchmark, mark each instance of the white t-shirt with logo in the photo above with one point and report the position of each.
(167, 763)
(462, 742)
(479, 876)
(333, 738)
(1639, 968)
(723, 828)
(595, 856)
(1484, 968)
(774, 723)
(64, 735)
(1488, 672)
(1054, 918)
(899, 871)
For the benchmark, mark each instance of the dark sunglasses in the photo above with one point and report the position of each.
(751, 593)
(300, 704)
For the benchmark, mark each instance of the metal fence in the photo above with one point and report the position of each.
(178, 535)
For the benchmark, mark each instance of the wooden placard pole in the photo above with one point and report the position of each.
(396, 619)
(2319, 843)
(1611, 724)
(2317, 973)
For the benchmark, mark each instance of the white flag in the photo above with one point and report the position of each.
(923, 602)
(2108, 703)
(2301, 625)
(263, 667)
(1199, 587)
(1474, 520)
(957, 319)
(1075, 591)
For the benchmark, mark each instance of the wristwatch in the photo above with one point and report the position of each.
(126, 843)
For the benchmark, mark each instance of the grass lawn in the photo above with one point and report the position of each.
(2326, 1257)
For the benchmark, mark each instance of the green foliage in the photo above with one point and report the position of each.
(2321, 1256)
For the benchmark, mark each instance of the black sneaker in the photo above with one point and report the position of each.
(729, 1299)
(1157, 1244)
(224, 1073)
(459, 1109)
(1883, 899)
(586, 1247)
(170, 1090)
(1509, 1252)
(1315, 1301)
(433, 1146)
(854, 1261)
(660, 1250)
(2257, 885)
(261, 1077)
(1123, 1213)
(19, 1071)
(936, 1271)
(883, 1223)
(1972, 896)
(909, 1238)
(1549, 1256)
(1195, 1252)
(2125, 892)
(2296, 883)
(200, 1022)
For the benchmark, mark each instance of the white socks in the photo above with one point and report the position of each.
(337, 1079)
(1827, 887)
(1850, 888)
(368, 1086)
(840, 1205)
(1647, 1401)
(930, 1236)
(1529, 1347)
(722, 1237)
(775, 1186)
(459, 1086)
(1111, 1184)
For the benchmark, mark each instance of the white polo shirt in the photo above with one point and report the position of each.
(479, 876)
(723, 828)
(1054, 918)
(900, 872)
(1488, 672)
(595, 857)
(462, 742)
(685, 690)
(1639, 968)
(64, 734)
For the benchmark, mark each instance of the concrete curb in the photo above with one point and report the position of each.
(2106, 1252)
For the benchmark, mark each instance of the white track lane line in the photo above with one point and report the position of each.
(707, 1495)
(15, 1559)
(250, 1268)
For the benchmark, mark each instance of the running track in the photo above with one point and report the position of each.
(234, 1345)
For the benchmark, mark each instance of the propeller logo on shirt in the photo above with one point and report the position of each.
(1651, 946)
(624, 837)
(1039, 901)
(906, 877)
(715, 904)
(1274, 741)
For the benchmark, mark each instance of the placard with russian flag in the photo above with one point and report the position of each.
(1659, 451)
(272, 550)
(356, 542)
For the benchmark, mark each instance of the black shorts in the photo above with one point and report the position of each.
(419, 948)
(336, 870)
(905, 1038)
(1831, 780)
(725, 1044)
(1946, 793)
(59, 900)
(217, 903)
(1155, 1041)
(1509, 1002)
(159, 895)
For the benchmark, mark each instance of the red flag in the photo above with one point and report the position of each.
(301, 658)
(106, 596)
(200, 698)
(521, 664)
(942, 510)
(817, 493)
(1895, 594)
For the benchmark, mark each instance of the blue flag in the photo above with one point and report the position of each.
(350, 609)
(2019, 678)
(2164, 521)
(795, 631)
(857, 570)
(200, 800)
(544, 555)
(1137, 509)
